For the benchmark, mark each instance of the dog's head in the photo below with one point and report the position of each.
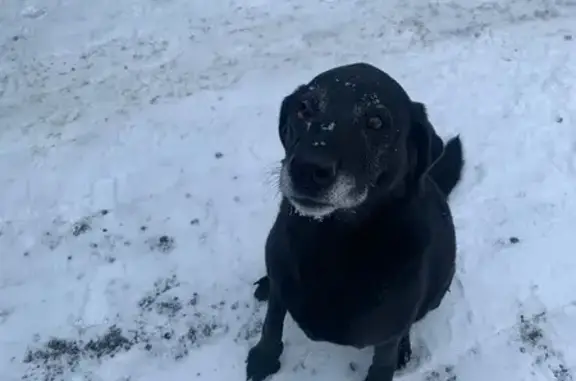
(349, 135)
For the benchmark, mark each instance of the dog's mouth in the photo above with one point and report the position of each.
(341, 195)
(309, 207)
(308, 202)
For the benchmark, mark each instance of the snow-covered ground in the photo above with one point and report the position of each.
(137, 142)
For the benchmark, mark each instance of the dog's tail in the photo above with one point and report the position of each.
(447, 171)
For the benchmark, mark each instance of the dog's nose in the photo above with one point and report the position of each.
(318, 170)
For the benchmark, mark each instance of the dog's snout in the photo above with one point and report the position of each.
(313, 170)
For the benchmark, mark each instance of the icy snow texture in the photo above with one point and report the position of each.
(137, 142)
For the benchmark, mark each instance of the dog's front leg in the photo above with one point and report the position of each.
(264, 358)
(404, 352)
(387, 358)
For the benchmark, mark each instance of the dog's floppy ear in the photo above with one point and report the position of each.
(427, 145)
(285, 109)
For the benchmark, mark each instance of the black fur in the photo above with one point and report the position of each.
(362, 276)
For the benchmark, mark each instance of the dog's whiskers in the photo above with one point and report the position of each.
(272, 179)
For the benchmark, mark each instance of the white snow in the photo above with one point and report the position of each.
(163, 112)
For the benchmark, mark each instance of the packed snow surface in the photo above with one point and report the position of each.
(137, 145)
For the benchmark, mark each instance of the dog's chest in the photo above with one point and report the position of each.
(327, 298)
(333, 278)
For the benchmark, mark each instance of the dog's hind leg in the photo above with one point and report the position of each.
(435, 303)
(262, 291)
(264, 358)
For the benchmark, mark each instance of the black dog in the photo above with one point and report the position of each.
(364, 244)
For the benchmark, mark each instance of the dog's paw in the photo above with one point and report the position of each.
(262, 289)
(380, 374)
(262, 362)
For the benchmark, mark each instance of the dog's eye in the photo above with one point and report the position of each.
(375, 123)
(305, 110)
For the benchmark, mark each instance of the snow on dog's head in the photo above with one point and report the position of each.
(345, 133)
